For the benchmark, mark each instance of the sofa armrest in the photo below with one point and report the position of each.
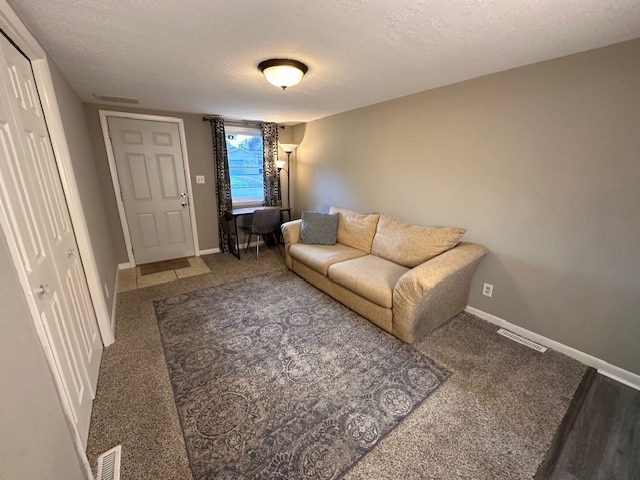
(291, 235)
(430, 294)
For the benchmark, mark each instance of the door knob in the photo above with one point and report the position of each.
(71, 252)
(183, 195)
(184, 204)
(43, 289)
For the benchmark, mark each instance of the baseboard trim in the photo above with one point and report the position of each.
(608, 370)
(243, 246)
(114, 302)
(124, 266)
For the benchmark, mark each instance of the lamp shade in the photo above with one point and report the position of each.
(288, 147)
(283, 72)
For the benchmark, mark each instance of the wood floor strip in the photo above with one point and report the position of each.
(604, 441)
(547, 466)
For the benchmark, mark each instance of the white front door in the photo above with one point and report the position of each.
(151, 173)
(35, 209)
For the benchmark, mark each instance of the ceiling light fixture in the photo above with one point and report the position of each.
(283, 72)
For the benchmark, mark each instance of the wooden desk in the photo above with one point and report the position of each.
(234, 213)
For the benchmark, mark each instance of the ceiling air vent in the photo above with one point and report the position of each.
(111, 98)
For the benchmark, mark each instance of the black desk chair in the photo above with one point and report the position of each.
(265, 222)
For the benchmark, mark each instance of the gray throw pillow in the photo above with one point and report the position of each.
(319, 228)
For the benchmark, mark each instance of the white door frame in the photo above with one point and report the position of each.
(116, 182)
(11, 24)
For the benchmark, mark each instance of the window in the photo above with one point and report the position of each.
(244, 152)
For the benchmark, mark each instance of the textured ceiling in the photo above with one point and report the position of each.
(201, 55)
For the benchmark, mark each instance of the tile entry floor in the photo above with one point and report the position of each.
(131, 279)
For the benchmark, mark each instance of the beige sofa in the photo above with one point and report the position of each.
(405, 278)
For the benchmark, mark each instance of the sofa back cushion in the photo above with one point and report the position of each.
(410, 245)
(356, 229)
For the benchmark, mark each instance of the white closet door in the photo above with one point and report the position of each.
(33, 201)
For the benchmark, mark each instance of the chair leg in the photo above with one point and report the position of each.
(257, 245)
(246, 249)
(275, 239)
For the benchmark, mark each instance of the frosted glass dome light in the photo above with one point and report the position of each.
(283, 72)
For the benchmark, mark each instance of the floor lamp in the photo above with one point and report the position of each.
(288, 148)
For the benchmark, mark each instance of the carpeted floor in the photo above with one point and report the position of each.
(493, 418)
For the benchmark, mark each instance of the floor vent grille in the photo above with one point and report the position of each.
(109, 464)
(522, 340)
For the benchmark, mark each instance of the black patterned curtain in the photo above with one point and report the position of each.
(270, 154)
(223, 183)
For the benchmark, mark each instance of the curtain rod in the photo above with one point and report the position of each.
(237, 123)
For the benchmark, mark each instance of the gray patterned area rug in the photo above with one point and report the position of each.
(274, 379)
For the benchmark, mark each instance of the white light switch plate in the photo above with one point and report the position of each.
(199, 178)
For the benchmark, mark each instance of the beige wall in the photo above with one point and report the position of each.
(541, 164)
(200, 152)
(34, 441)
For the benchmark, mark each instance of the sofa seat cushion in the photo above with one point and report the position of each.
(370, 277)
(356, 229)
(321, 257)
(410, 245)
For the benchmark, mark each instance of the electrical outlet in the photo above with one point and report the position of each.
(199, 178)
(487, 290)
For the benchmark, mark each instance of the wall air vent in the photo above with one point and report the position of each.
(111, 98)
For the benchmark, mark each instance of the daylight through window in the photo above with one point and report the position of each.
(244, 151)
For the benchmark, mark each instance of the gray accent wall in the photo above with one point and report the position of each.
(541, 164)
(200, 152)
(95, 198)
(35, 440)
